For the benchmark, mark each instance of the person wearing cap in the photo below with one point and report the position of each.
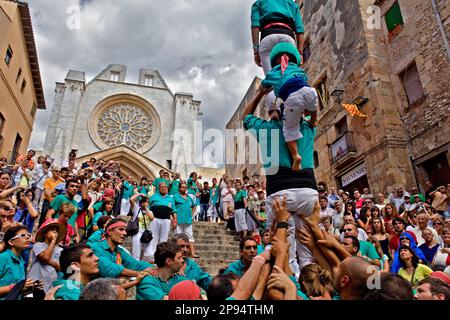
(277, 22)
(79, 265)
(290, 83)
(435, 287)
(411, 270)
(46, 252)
(168, 258)
(114, 260)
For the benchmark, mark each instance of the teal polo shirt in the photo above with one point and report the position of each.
(70, 290)
(184, 208)
(367, 249)
(236, 267)
(240, 196)
(107, 260)
(94, 220)
(159, 200)
(56, 205)
(279, 10)
(95, 237)
(195, 273)
(97, 206)
(154, 288)
(214, 195)
(280, 156)
(157, 181)
(12, 269)
(174, 187)
(192, 186)
(128, 190)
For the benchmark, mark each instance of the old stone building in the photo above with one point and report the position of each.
(394, 64)
(21, 93)
(391, 58)
(138, 124)
(239, 163)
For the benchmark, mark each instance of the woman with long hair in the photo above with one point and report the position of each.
(378, 232)
(411, 270)
(406, 239)
(350, 208)
(384, 258)
(389, 212)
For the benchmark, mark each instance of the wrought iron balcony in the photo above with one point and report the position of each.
(343, 148)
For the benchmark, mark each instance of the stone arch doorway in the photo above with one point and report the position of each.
(131, 162)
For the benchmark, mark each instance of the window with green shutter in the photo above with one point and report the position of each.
(394, 17)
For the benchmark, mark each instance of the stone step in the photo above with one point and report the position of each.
(228, 255)
(217, 246)
(213, 270)
(210, 232)
(219, 237)
(211, 261)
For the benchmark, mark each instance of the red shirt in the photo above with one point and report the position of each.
(394, 243)
(359, 203)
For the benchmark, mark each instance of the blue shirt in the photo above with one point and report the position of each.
(154, 288)
(184, 208)
(264, 11)
(195, 273)
(112, 263)
(263, 131)
(12, 269)
(26, 220)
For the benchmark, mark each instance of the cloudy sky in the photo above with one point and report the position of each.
(198, 46)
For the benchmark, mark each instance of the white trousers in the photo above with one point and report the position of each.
(187, 230)
(298, 201)
(294, 106)
(160, 229)
(138, 246)
(239, 220)
(125, 207)
(265, 47)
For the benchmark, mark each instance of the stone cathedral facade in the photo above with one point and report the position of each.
(134, 123)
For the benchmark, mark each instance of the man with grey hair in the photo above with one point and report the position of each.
(104, 289)
(190, 269)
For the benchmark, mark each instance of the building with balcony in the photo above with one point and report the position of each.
(392, 59)
(21, 93)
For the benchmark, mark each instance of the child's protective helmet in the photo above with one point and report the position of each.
(285, 48)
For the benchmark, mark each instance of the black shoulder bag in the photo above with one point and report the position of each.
(147, 235)
(133, 226)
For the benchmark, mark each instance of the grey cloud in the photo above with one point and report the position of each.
(199, 46)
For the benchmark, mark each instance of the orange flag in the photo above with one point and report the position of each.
(353, 110)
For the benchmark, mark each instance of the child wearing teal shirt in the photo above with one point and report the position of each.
(154, 288)
(289, 83)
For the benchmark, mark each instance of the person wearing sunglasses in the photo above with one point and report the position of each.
(12, 266)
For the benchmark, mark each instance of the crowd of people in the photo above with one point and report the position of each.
(64, 227)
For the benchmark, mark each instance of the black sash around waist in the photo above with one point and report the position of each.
(161, 212)
(285, 179)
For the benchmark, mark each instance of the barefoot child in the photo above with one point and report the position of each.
(289, 82)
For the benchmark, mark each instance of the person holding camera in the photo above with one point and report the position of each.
(141, 212)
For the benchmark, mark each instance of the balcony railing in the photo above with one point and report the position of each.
(342, 146)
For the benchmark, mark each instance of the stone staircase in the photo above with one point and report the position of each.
(216, 246)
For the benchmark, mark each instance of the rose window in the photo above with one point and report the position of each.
(125, 124)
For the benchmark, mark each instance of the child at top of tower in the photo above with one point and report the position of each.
(290, 84)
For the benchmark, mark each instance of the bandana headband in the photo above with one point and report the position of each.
(116, 225)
